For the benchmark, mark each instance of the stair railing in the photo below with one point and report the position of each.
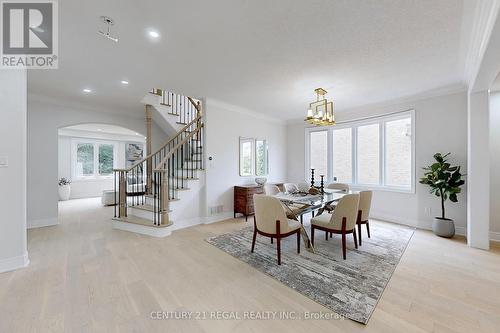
(132, 182)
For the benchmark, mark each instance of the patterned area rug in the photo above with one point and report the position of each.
(349, 287)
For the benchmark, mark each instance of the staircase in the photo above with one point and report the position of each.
(147, 193)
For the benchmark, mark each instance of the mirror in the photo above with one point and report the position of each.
(261, 158)
(247, 153)
(254, 157)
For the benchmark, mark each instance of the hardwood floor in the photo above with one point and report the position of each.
(86, 277)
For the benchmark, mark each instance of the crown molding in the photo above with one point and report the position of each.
(65, 103)
(428, 94)
(211, 102)
(485, 15)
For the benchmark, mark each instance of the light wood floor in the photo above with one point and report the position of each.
(86, 277)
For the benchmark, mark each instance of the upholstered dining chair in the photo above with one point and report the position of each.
(271, 189)
(338, 186)
(365, 202)
(303, 187)
(291, 187)
(342, 221)
(270, 220)
(292, 211)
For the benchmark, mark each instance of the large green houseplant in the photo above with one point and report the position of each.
(444, 181)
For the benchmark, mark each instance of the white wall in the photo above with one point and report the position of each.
(88, 188)
(44, 119)
(13, 251)
(495, 164)
(441, 126)
(224, 126)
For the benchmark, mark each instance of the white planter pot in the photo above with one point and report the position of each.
(64, 192)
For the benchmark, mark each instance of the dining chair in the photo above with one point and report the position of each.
(338, 186)
(271, 189)
(292, 211)
(291, 187)
(270, 220)
(365, 201)
(303, 187)
(342, 221)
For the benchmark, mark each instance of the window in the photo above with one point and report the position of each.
(318, 149)
(93, 159)
(398, 152)
(105, 159)
(261, 158)
(368, 154)
(85, 159)
(342, 155)
(377, 153)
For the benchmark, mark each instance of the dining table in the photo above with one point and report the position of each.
(300, 203)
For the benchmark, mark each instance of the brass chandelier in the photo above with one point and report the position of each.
(320, 112)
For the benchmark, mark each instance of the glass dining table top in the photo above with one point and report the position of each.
(311, 200)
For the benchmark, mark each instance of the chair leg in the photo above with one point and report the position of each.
(368, 228)
(359, 234)
(355, 237)
(278, 243)
(301, 220)
(343, 246)
(272, 240)
(326, 235)
(312, 235)
(331, 234)
(312, 213)
(253, 240)
(298, 241)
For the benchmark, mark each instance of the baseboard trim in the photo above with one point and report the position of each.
(143, 229)
(494, 236)
(42, 223)
(10, 264)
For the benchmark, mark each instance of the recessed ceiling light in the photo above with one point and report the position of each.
(136, 133)
(87, 91)
(153, 34)
(124, 82)
(99, 129)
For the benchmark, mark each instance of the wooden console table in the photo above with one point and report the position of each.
(243, 198)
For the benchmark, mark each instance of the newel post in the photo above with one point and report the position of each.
(164, 199)
(122, 194)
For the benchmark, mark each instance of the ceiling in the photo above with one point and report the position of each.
(267, 56)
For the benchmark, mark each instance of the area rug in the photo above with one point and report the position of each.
(350, 288)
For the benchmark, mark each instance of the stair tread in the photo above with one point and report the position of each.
(145, 207)
(139, 220)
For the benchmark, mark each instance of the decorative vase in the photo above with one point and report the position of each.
(64, 192)
(443, 227)
(261, 180)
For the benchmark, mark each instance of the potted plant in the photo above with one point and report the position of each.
(64, 189)
(444, 181)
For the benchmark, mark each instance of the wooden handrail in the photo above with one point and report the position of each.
(177, 146)
(163, 146)
(196, 105)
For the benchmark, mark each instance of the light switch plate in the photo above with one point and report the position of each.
(4, 161)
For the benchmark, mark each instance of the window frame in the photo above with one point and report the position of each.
(96, 143)
(381, 120)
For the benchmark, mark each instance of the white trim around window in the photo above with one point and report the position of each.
(354, 125)
(74, 158)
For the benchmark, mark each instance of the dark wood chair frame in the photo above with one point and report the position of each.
(278, 235)
(342, 232)
(359, 223)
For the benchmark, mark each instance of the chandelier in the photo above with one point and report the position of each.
(320, 112)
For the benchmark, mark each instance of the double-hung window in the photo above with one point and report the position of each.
(377, 152)
(93, 159)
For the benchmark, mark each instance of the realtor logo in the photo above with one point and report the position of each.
(29, 34)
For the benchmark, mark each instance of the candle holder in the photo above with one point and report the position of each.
(312, 177)
(322, 186)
